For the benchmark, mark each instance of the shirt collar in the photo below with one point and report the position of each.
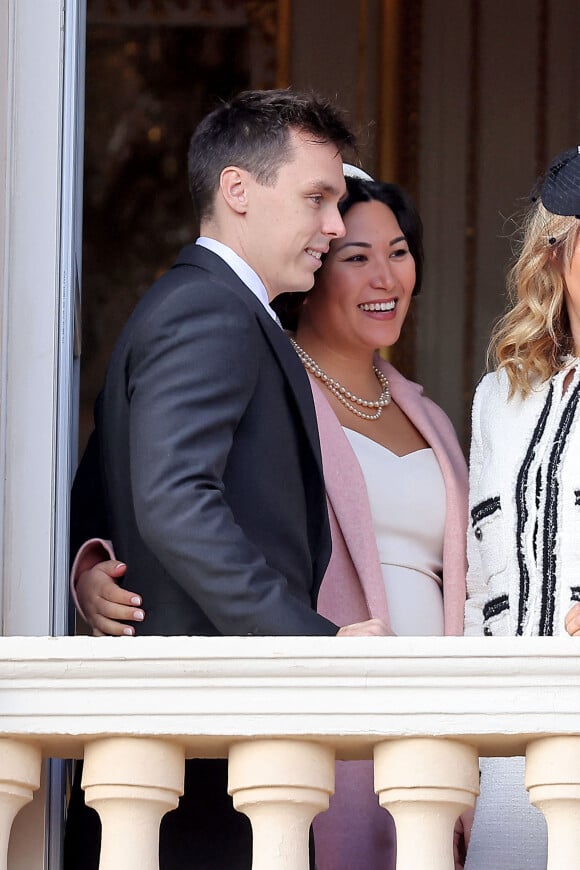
(244, 272)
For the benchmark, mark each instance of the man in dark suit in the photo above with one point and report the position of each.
(209, 455)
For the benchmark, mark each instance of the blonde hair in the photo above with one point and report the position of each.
(531, 338)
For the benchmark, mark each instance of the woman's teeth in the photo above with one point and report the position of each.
(377, 306)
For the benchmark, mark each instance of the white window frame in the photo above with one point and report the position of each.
(41, 124)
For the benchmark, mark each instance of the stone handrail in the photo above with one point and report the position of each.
(282, 709)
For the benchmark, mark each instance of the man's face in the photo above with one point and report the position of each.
(289, 225)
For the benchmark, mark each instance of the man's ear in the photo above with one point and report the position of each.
(234, 188)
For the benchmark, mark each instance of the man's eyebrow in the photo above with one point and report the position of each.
(325, 187)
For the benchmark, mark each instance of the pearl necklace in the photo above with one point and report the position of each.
(348, 399)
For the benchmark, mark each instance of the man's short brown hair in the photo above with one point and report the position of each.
(252, 131)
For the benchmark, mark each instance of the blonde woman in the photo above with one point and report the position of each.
(523, 542)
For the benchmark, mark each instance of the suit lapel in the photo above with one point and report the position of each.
(297, 379)
(218, 269)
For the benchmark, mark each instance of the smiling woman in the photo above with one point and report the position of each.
(394, 472)
(359, 302)
(522, 543)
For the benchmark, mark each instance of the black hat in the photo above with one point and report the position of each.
(560, 191)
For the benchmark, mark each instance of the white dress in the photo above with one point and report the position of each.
(408, 525)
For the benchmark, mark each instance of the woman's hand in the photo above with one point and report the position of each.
(573, 621)
(105, 604)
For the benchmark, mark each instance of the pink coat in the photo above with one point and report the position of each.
(356, 832)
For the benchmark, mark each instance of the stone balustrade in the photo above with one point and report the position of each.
(282, 710)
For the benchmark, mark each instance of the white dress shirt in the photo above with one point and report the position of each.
(244, 272)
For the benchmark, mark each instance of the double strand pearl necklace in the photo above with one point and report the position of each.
(348, 399)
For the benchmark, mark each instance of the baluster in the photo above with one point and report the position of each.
(426, 783)
(553, 782)
(19, 778)
(281, 785)
(132, 782)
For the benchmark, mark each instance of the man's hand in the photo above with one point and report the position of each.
(104, 603)
(369, 628)
(573, 621)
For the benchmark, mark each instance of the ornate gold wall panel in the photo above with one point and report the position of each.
(399, 72)
(154, 68)
(471, 211)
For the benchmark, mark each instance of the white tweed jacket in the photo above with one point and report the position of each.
(523, 538)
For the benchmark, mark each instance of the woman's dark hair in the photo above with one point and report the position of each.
(288, 305)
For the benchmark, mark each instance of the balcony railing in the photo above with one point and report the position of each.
(282, 709)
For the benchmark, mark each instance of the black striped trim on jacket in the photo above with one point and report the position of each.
(522, 511)
(549, 553)
(493, 608)
(485, 509)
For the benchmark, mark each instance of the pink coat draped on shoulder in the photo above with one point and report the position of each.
(356, 833)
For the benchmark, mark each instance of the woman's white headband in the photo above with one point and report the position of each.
(351, 171)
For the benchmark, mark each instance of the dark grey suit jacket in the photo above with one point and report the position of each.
(205, 471)
(211, 461)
